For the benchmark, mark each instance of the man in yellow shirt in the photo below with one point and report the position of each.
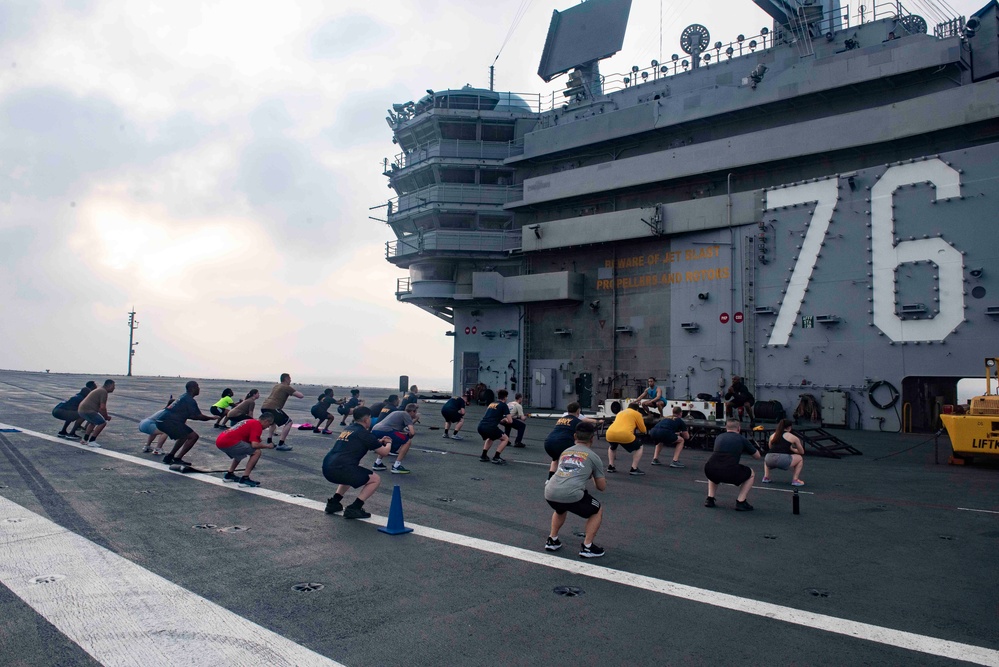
(622, 432)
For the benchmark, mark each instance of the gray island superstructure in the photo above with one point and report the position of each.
(813, 208)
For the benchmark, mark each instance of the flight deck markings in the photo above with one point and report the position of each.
(123, 614)
(841, 626)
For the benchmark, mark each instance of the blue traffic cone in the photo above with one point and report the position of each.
(396, 524)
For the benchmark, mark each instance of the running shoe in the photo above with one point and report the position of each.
(709, 502)
(284, 448)
(656, 462)
(611, 469)
(399, 470)
(446, 437)
(326, 431)
(62, 434)
(317, 430)
(553, 545)
(592, 551)
(456, 437)
(766, 480)
(484, 459)
(146, 450)
(246, 481)
(356, 513)
(157, 452)
(229, 477)
(332, 507)
(499, 461)
(636, 471)
(676, 464)
(93, 443)
(797, 482)
(379, 466)
(181, 462)
(168, 460)
(743, 506)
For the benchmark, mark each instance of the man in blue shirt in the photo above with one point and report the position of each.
(489, 428)
(653, 396)
(670, 431)
(453, 412)
(174, 424)
(342, 465)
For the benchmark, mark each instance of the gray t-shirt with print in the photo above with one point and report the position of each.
(399, 420)
(576, 465)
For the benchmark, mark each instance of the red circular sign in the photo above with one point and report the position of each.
(738, 317)
(723, 318)
(474, 330)
(468, 330)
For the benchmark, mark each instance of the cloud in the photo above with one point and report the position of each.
(348, 35)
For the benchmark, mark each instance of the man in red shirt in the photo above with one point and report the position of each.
(243, 440)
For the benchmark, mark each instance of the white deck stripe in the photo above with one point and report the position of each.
(865, 631)
(968, 509)
(122, 614)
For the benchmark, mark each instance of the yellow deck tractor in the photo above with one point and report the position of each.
(976, 432)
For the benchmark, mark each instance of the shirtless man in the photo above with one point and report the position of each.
(94, 410)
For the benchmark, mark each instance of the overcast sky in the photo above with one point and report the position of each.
(212, 164)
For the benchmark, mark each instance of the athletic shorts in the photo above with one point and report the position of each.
(65, 415)
(148, 426)
(493, 433)
(555, 449)
(452, 416)
(319, 413)
(725, 470)
(354, 476)
(94, 418)
(174, 430)
(238, 451)
(280, 418)
(629, 447)
(216, 410)
(235, 420)
(779, 461)
(398, 439)
(585, 507)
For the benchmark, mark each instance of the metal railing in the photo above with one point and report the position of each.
(456, 148)
(403, 286)
(455, 193)
(453, 241)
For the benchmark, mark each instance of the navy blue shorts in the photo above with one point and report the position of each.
(493, 433)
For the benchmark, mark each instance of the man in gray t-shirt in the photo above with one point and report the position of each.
(566, 491)
(399, 426)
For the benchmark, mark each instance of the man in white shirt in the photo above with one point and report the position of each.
(517, 412)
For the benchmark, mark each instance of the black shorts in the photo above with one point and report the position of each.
(353, 476)
(493, 433)
(216, 410)
(174, 430)
(630, 447)
(452, 416)
(555, 449)
(585, 507)
(65, 415)
(280, 418)
(320, 413)
(725, 470)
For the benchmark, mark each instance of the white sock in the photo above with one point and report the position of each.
(378, 461)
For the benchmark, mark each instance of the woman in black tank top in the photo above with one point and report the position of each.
(786, 453)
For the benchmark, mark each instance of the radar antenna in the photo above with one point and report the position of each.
(914, 24)
(695, 39)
